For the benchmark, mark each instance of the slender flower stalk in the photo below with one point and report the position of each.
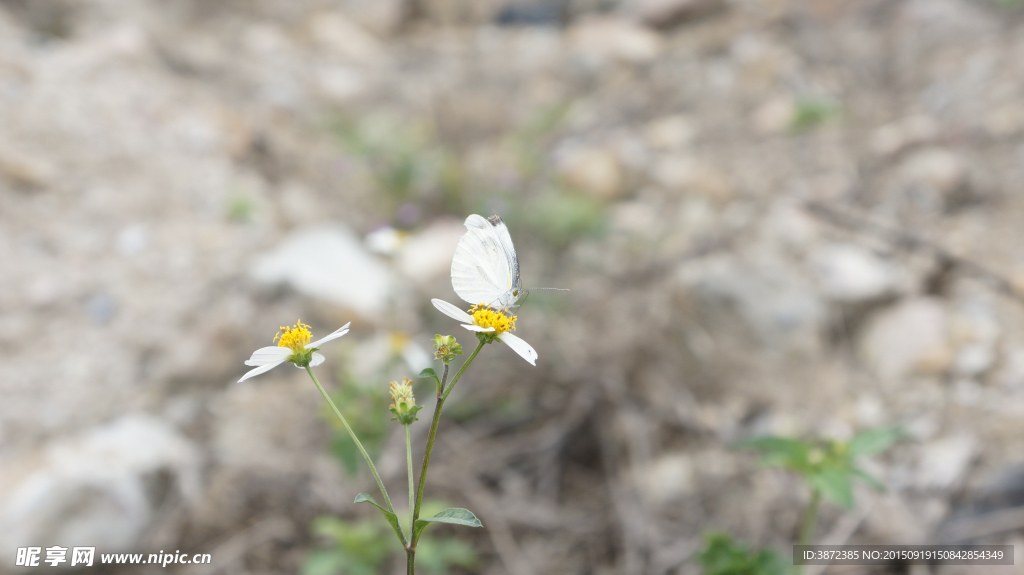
(443, 391)
(412, 481)
(359, 445)
(810, 518)
(809, 522)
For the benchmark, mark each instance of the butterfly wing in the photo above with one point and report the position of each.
(485, 268)
(515, 288)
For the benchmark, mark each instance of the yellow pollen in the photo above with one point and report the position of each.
(484, 316)
(295, 337)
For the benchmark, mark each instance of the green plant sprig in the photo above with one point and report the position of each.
(828, 467)
(467, 518)
(389, 513)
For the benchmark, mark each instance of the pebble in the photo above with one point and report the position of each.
(344, 38)
(95, 487)
(670, 132)
(340, 83)
(781, 311)
(775, 115)
(851, 273)
(907, 338)
(595, 171)
(427, 254)
(667, 478)
(609, 39)
(936, 176)
(680, 174)
(328, 263)
(944, 462)
(670, 13)
(897, 136)
(537, 13)
(24, 171)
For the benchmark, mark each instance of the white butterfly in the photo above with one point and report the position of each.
(485, 269)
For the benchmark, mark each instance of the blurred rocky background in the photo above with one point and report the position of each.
(775, 216)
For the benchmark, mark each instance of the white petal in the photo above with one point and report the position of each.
(333, 335)
(317, 359)
(451, 311)
(261, 369)
(270, 354)
(478, 328)
(520, 346)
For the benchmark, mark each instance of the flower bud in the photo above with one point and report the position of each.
(446, 348)
(403, 404)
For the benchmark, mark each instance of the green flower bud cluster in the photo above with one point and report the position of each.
(403, 404)
(446, 348)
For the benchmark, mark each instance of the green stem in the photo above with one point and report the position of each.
(443, 395)
(809, 521)
(410, 553)
(412, 483)
(446, 390)
(352, 434)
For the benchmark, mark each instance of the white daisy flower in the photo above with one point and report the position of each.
(293, 346)
(484, 320)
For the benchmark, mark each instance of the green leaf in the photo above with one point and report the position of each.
(452, 515)
(874, 441)
(834, 483)
(391, 517)
(430, 373)
(356, 548)
(871, 480)
(780, 452)
(813, 111)
(722, 555)
(436, 557)
(322, 562)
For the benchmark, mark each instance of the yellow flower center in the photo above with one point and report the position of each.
(484, 316)
(295, 337)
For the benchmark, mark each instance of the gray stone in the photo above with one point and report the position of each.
(96, 488)
(850, 273)
(595, 171)
(344, 38)
(935, 177)
(330, 264)
(667, 478)
(670, 13)
(944, 462)
(901, 134)
(380, 17)
(782, 311)
(774, 115)
(907, 338)
(25, 171)
(606, 39)
(670, 132)
(975, 331)
(679, 173)
(427, 254)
